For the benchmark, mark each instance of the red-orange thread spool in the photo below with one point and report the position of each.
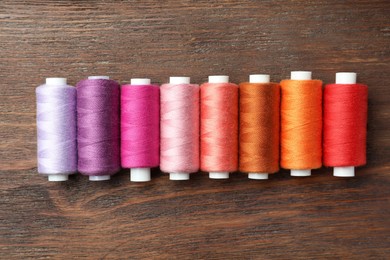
(259, 127)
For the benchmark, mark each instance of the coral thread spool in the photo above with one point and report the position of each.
(345, 121)
(99, 156)
(301, 123)
(259, 127)
(219, 127)
(179, 128)
(56, 129)
(140, 114)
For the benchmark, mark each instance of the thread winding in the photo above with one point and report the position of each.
(259, 127)
(179, 130)
(56, 129)
(140, 126)
(219, 127)
(345, 124)
(301, 124)
(98, 127)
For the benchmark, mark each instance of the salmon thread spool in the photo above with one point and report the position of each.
(345, 124)
(301, 123)
(179, 128)
(219, 127)
(259, 127)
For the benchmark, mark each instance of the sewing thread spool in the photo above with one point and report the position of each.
(140, 128)
(259, 127)
(56, 129)
(179, 128)
(345, 124)
(98, 127)
(219, 127)
(301, 123)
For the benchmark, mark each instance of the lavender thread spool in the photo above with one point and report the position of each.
(56, 129)
(98, 127)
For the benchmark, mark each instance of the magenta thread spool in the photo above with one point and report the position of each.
(140, 128)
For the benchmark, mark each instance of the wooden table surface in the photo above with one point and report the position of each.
(282, 218)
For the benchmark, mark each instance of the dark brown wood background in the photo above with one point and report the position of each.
(284, 217)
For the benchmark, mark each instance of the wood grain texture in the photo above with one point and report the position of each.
(283, 218)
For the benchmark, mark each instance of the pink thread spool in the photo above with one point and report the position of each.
(179, 132)
(140, 118)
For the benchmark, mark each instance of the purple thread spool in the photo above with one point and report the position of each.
(56, 129)
(98, 127)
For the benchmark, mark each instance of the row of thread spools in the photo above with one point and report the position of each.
(219, 127)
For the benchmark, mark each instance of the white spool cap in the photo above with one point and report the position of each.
(179, 176)
(258, 176)
(179, 80)
(219, 175)
(300, 75)
(98, 77)
(219, 79)
(259, 78)
(100, 178)
(57, 177)
(140, 174)
(140, 81)
(56, 81)
(345, 78)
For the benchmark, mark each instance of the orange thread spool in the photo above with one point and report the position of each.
(219, 127)
(259, 127)
(301, 123)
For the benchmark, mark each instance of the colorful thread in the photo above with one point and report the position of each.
(140, 126)
(301, 124)
(345, 123)
(179, 147)
(259, 127)
(219, 127)
(56, 129)
(98, 127)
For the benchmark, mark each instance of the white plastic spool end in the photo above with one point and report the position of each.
(348, 171)
(300, 173)
(259, 78)
(140, 174)
(57, 177)
(258, 176)
(140, 81)
(56, 81)
(345, 78)
(219, 175)
(98, 77)
(179, 176)
(100, 178)
(301, 75)
(179, 80)
(219, 79)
